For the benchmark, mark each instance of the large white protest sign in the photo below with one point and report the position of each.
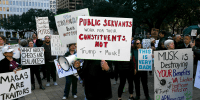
(42, 24)
(105, 38)
(67, 25)
(32, 56)
(145, 59)
(193, 32)
(63, 73)
(16, 52)
(56, 47)
(146, 43)
(173, 78)
(197, 77)
(13, 86)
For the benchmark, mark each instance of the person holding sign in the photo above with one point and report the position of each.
(140, 75)
(34, 70)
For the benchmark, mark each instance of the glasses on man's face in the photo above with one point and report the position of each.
(137, 43)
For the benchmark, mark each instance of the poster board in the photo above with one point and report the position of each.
(105, 38)
(1, 54)
(194, 32)
(16, 52)
(197, 77)
(67, 25)
(13, 86)
(156, 44)
(56, 47)
(63, 73)
(173, 78)
(42, 24)
(32, 56)
(146, 43)
(145, 59)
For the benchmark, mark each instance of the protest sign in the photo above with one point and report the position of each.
(42, 24)
(197, 77)
(67, 25)
(1, 54)
(145, 59)
(32, 56)
(105, 38)
(173, 78)
(193, 32)
(13, 86)
(63, 73)
(156, 44)
(16, 52)
(56, 47)
(146, 43)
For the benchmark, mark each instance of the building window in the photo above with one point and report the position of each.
(44, 4)
(0, 8)
(9, 2)
(26, 3)
(17, 9)
(29, 3)
(14, 9)
(16, 2)
(20, 3)
(10, 9)
(23, 3)
(32, 3)
(41, 4)
(4, 9)
(20, 9)
(36, 4)
(7, 9)
(13, 2)
(47, 4)
(23, 9)
(26, 9)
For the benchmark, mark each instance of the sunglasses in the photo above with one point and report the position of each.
(138, 43)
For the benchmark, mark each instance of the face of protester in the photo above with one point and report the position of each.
(47, 39)
(178, 39)
(187, 40)
(161, 35)
(170, 46)
(1, 42)
(138, 43)
(8, 54)
(30, 44)
(34, 36)
(72, 47)
(162, 45)
(148, 35)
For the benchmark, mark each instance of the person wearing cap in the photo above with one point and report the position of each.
(49, 61)
(8, 64)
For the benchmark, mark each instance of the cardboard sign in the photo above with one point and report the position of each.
(32, 56)
(197, 77)
(16, 52)
(42, 24)
(156, 44)
(194, 32)
(56, 47)
(146, 43)
(145, 59)
(173, 78)
(1, 54)
(67, 25)
(13, 86)
(63, 73)
(105, 38)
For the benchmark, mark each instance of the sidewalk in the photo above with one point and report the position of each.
(56, 92)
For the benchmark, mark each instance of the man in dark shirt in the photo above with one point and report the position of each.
(162, 38)
(49, 61)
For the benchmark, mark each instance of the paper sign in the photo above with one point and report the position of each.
(13, 86)
(146, 43)
(193, 32)
(173, 78)
(105, 38)
(16, 52)
(67, 25)
(42, 24)
(63, 73)
(145, 59)
(197, 78)
(32, 56)
(156, 44)
(56, 47)
(1, 54)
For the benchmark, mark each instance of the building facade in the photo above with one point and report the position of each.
(53, 6)
(11, 7)
(70, 4)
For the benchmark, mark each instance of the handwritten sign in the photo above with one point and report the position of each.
(56, 47)
(145, 59)
(1, 54)
(104, 38)
(193, 32)
(63, 73)
(156, 44)
(13, 86)
(146, 43)
(42, 24)
(16, 52)
(32, 56)
(197, 78)
(173, 78)
(67, 25)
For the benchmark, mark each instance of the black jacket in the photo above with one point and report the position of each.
(182, 46)
(159, 44)
(47, 53)
(97, 81)
(5, 64)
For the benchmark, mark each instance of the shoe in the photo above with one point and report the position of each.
(64, 98)
(75, 96)
(41, 87)
(48, 84)
(115, 82)
(55, 83)
(33, 87)
(131, 98)
(137, 98)
(148, 98)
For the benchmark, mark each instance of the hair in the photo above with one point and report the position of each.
(35, 34)
(177, 35)
(152, 39)
(47, 36)
(163, 32)
(135, 45)
(23, 42)
(30, 41)
(187, 35)
(3, 37)
(167, 42)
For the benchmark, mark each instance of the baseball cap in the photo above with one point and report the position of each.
(7, 48)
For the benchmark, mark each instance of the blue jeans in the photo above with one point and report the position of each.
(70, 79)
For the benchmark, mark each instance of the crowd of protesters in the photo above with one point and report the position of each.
(96, 74)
